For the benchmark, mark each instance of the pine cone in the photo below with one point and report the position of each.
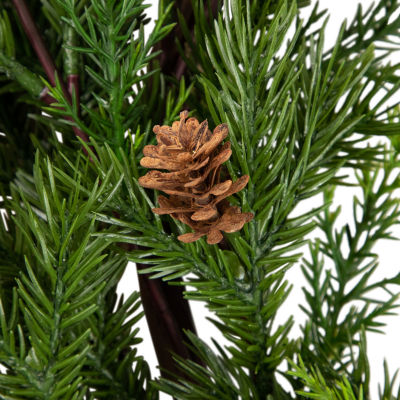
(194, 156)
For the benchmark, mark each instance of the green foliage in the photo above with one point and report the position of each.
(220, 380)
(342, 301)
(116, 62)
(61, 317)
(297, 115)
(389, 391)
(318, 388)
(113, 365)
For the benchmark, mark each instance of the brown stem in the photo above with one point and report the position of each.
(44, 57)
(171, 62)
(36, 40)
(167, 314)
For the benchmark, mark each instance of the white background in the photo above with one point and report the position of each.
(379, 346)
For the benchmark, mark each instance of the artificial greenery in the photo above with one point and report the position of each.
(79, 96)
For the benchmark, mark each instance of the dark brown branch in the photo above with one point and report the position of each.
(36, 40)
(167, 314)
(171, 63)
(44, 57)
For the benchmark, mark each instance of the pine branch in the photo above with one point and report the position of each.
(161, 305)
(220, 380)
(60, 292)
(388, 389)
(73, 114)
(22, 75)
(115, 61)
(293, 110)
(293, 162)
(170, 65)
(332, 331)
(114, 359)
(374, 27)
(378, 18)
(187, 324)
(318, 388)
(124, 69)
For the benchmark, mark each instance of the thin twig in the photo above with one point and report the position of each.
(36, 41)
(71, 64)
(44, 57)
(171, 62)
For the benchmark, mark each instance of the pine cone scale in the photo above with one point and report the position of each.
(220, 188)
(217, 137)
(235, 187)
(216, 162)
(199, 135)
(205, 214)
(150, 162)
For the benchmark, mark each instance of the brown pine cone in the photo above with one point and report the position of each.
(194, 156)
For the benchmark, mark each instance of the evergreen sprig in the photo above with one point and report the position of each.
(342, 301)
(388, 391)
(117, 369)
(220, 380)
(45, 342)
(116, 55)
(317, 387)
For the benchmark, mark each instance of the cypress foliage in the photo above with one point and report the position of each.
(81, 90)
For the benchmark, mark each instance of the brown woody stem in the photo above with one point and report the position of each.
(171, 62)
(36, 40)
(44, 57)
(167, 314)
